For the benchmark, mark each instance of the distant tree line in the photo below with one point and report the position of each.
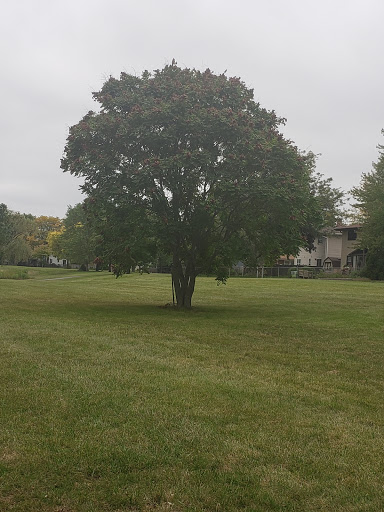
(30, 240)
(24, 237)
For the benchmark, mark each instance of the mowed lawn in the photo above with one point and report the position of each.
(267, 396)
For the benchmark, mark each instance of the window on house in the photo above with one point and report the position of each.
(352, 234)
(309, 261)
(318, 263)
(320, 240)
(298, 261)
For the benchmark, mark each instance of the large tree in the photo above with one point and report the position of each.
(370, 205)
(187, 163)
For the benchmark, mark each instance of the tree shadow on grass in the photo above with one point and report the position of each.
(115, 311)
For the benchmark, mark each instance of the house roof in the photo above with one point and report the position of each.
(357, 251)
(336, 262)
(347, 226)
(329, 231)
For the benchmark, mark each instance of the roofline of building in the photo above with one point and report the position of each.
(347, 226)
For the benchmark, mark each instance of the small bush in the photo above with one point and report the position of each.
(14, 273)
(374, 268)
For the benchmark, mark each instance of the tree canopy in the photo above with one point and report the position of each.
(370, 204)
(44, 225)
(329, 199)
(187, 163)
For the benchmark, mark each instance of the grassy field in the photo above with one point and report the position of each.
(267, 396)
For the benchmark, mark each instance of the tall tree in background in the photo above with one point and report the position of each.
(188, 162)
(20, 228)
(370, 204)
(76, 240)
(5, 229)
(39, 240)
(330, 200)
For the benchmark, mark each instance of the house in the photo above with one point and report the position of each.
(286, 260)
(328, 245)
(52, 260)
(356, 259)
(331, 264)
(352, 255)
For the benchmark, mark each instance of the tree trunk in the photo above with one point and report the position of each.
(183, 280)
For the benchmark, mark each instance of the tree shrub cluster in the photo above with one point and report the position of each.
(25, 238)
(29, 240)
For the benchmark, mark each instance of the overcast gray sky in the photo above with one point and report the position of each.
(317, 63)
